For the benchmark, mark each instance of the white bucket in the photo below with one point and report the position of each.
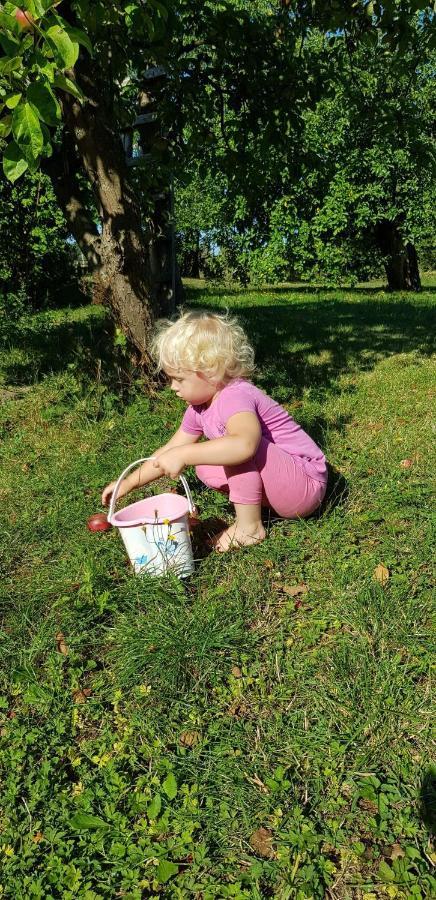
(155, 531)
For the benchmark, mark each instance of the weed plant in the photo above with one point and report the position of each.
(263, 729)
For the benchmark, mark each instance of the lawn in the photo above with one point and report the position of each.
(265, 729)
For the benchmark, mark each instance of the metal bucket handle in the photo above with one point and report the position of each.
(131, 466)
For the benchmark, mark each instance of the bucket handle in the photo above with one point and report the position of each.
(131, 466)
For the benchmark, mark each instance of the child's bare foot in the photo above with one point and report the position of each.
(236, 536)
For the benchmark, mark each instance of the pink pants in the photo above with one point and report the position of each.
(272, 477)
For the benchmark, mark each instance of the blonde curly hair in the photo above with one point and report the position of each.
(200, 341)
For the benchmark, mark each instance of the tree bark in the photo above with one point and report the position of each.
(116, 249)
(400, 258)
(413, 267)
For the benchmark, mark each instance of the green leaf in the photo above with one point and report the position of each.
(170, 786)
(5, 126)
(8, 44)
(154, 807)
(385, 872)
(13, 101)
(10, 65)
(44, 103)
(38, 7)
(47, 149)
(69, 86)
(82, 821)
(66, 49)
(80, 37)
(9, 23)
(14, 163)
(166, 870)
(27, 130)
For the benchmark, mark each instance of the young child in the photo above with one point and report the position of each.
(254, 450)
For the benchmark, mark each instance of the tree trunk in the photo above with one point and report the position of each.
(165, 277)
(116, 250)
(413, 267)
(400, 259)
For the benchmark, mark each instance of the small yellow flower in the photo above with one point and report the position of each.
(7, 850)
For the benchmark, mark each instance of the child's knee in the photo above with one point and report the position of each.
(212, 476)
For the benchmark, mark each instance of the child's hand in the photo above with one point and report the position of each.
(171, 462)
(107, 493)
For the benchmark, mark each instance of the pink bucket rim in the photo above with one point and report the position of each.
(170, 507)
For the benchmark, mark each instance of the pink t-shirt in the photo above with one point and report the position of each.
(276, 424)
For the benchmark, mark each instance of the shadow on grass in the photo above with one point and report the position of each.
(302, 345)
(42, 346)
(428, 800)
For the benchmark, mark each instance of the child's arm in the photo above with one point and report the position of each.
(239, 444)
(150, 470)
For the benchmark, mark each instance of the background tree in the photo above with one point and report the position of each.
(39, 266)
(348, 183)
(238, 77)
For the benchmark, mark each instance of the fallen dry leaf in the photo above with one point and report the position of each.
(190, 738)
(368, 805)
(381, 574)
(239, 709)
(295, 590)
(406, 463)
(261, 843)
(396, 852)
(268, 564)
(81, 696)
(61, 645)
(38, 837)
(236, 672)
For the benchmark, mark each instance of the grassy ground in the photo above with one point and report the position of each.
(265, 730)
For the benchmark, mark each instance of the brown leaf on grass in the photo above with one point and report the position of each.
(268, 563)
(406, 463)
(239, 709)
(381, 574)
(395, 852)
(61, 645)
(190, 738)
(38, 837)
(236, 672)
(368, 805)
(81, 696)
(294, 590)
(261, 842)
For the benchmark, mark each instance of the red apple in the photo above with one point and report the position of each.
(24, 19)
(98, 522)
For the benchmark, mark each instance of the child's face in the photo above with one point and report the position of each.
(192, 387)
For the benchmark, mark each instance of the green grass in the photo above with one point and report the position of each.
(181, 719)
